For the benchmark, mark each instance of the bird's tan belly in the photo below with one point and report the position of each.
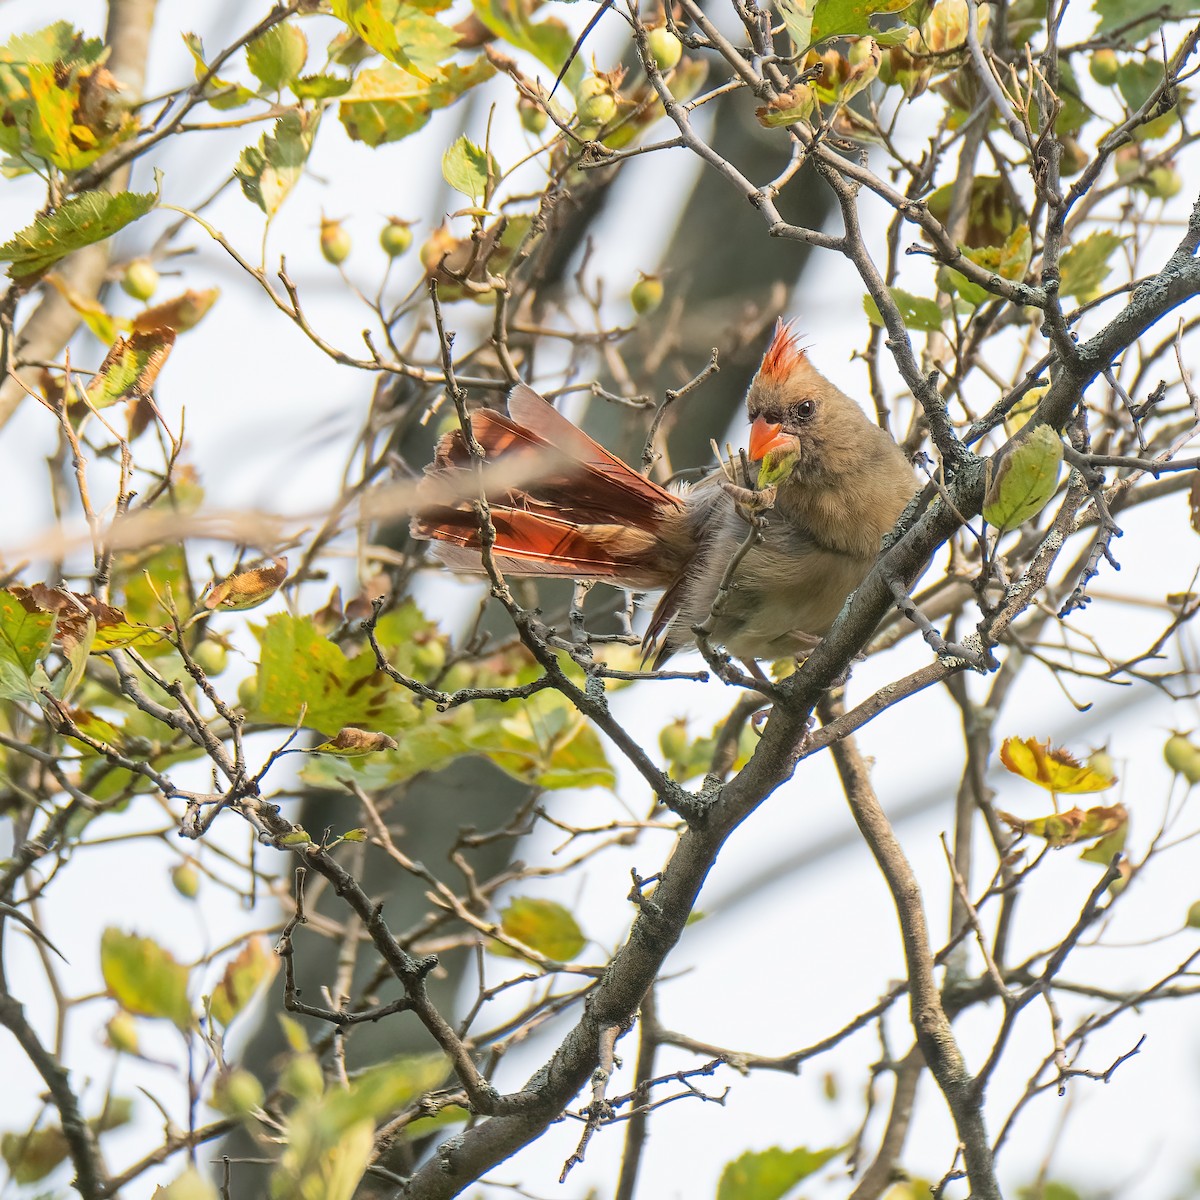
(780, 604)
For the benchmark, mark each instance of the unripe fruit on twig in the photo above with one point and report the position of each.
(238, 1094)
(665, 48)
(140, 279)
(646, 295)
(335, 242)
(1127, 162)
(1074, 158)
(1162, 183)
(122, 1033)
(674, 740)
(1103, 67)
(1182, 757)
(303, 1077)
(533, 117)
(597, 105)
(396, 237)
(186, 880)
(211, 657)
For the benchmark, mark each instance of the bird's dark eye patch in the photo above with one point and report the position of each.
(805, 409)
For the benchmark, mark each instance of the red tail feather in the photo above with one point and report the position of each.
(579, 512)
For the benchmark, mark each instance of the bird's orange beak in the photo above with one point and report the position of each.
(765, 437)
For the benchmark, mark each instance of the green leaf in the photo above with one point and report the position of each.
(56, 99)
(1084, 266)
(549, 41)
(191, 1185)
(302, 672)
(25, 640)
(220, 93)
(330, 1136)
(542, 925)
(777, 465)
(130, 367)
(387, 104)
(1116, 14)
(253, 967)
(770, 1174)
(1009, 261)
(320, 87)
(144, 978)
(269, 171)
(470, 169)
(405, 34)
(60, 42)
(32, 1155)
(1137, 81)
(1025, 480)
(95, 316)
(850, 18)
(917, 312)
(277, 57)
(76, 652)
(78, 221)
(546, 743)
(797, 17)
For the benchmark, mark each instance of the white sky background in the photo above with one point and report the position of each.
(775, 965)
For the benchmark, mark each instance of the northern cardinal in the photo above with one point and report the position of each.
(842, 483)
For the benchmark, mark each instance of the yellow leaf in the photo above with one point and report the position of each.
(1076, 825)
(1052, 767)
(253, 966)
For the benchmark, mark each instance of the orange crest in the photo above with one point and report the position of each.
(783, 355)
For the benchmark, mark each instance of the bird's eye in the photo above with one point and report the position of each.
(805, 409)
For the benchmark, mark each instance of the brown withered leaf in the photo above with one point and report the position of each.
(179, 314)
(351, 741)
(71, 610)
(247, 589)
(328, 618)
(130, 367)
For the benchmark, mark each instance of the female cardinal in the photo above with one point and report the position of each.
(841, 484)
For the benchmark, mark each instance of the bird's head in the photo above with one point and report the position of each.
(800, 424)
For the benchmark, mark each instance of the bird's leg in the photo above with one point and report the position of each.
(750, 501)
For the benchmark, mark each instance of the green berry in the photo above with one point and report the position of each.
(533, 116)
(665, 48)
(211, 657)
(122, 1033)
(1162, 183)
(140, 279)
(303, 1077)
(335, 242)
(646, 295)
(238, 1093)
(597, 105)
(186, 880)
(395, 237)
(1182, 757)
(1103, 67)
